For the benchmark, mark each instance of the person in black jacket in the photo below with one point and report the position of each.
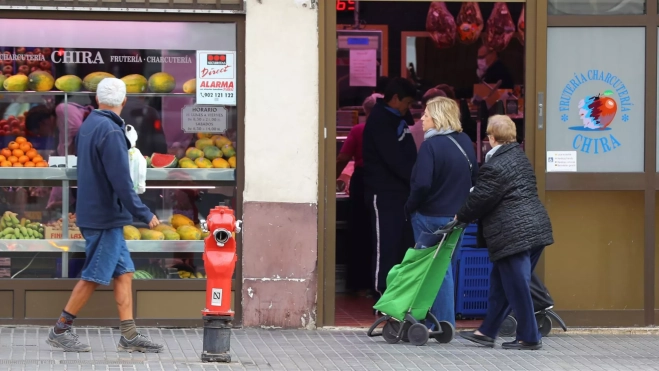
(444, 172)
(389, 154)
(515, 227)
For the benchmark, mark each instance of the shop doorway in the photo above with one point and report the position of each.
(373, 35)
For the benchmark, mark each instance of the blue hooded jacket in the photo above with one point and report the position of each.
(106, 198)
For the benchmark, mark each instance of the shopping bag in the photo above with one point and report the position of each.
(136, 162)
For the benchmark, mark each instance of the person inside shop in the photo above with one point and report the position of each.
(41, 128)
(360, 279)
(69, 118)
(445, 170)
(490, 69)
(389, 154)
(110, 203)
(515, 227)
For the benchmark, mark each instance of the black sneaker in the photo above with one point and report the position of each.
(522, 345)
(67, 341)
(140, 343)
(478, 339)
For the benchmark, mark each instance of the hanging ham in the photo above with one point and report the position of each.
(500, 28)
(441, 25)
(470, 23)
(521, 27)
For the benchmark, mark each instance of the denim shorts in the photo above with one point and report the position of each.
(107, 255)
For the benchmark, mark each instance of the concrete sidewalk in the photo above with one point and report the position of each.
(24, 349)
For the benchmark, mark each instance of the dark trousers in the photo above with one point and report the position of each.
(360, 272)
(509, 289)
(391, 235)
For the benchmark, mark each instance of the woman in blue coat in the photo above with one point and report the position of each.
(444, 172)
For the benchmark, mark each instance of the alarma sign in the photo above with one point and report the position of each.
(216, 77)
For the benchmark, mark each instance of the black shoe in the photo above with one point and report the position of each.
(478, 339)
(522, 345)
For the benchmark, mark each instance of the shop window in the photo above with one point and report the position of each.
(595, 99)
(186, 128)
(596, 7)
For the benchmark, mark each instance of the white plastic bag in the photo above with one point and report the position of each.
(136, 162)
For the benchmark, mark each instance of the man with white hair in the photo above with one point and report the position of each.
(106, 203)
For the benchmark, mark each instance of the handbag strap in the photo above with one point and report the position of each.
(461, 150)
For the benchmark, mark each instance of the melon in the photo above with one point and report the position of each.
(159, 160)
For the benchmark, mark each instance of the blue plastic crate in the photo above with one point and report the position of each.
(471, 229)
(473, 283)
(469, 241)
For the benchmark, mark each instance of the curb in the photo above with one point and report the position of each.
(555, 331)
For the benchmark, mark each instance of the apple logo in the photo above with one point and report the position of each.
(597, 112)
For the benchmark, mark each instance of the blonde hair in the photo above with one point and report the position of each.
(445, 114)
(502, 128)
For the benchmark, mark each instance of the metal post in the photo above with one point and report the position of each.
(217, 339)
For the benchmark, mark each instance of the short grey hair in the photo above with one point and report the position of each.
(369, 102)
(111, 92)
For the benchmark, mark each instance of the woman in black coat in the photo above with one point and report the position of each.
(515, 227)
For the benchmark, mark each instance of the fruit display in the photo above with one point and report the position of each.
(90, 82)
(135, 83)
(19, 153)
(59, 224)
(37, 59)
(148, 272)
(190, 86)
(13, 126)
(24, 229)
(40, 81)
(180, 228)
(186, 271)
(68, 83)
(210, 152)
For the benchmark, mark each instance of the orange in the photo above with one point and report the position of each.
(17, 153)
(2, 158)
(32, 153)
(25, 147)
(6, 152)
(5, 164)
(21, 140)
(23, 159)
(17, 164)
(13, 145)
(37, 159)
(29, 164)
(12, 159)
(42, 164)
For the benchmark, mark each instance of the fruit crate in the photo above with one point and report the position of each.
(472, 283)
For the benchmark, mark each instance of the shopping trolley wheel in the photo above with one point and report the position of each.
(390, 332)
(544, 325)
(508, 327)
(418, 334)
(448, 333)
(395, 327)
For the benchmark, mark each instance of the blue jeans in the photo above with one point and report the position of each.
(444, 306)
(107, 255)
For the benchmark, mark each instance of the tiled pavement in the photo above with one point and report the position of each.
(24, 349)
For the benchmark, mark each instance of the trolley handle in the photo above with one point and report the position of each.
(449, 227)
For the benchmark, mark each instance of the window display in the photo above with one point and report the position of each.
(46, 92)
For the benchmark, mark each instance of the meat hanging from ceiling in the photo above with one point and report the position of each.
(521, 26)
(470, 23)
(500, 28)
(441, 25)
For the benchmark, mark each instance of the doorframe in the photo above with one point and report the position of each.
(535, 50)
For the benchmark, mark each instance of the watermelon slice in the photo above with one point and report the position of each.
(159, 160)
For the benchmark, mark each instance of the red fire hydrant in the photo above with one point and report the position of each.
(219, 262)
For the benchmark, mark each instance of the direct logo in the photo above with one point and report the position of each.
(216, 59)
(595, 97)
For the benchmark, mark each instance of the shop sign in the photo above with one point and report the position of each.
(216, 77)
(204, 119)
(600, 102)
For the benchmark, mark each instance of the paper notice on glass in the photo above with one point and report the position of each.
(561, 161)
(363, 67)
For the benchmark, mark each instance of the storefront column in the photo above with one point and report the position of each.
(281, 165)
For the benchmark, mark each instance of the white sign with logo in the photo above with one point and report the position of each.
(561, 161)
(204, 119)
(216, 299)
(216, 77)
